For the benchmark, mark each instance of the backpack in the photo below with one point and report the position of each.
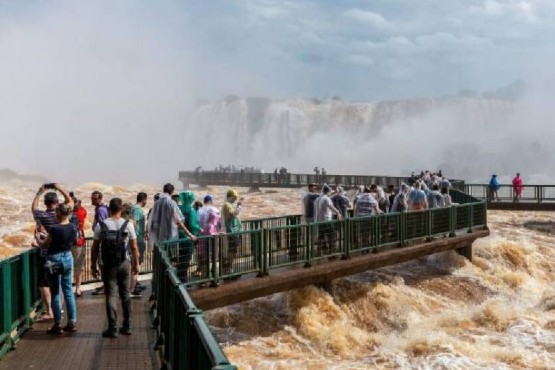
(113, 248)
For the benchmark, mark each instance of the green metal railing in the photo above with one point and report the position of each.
(19, 297)
(268, 244)
(530, 193)
(184, 337)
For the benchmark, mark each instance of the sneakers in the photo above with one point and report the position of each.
(125, 330)
(110, 333)
(55, 329)
(70, 328)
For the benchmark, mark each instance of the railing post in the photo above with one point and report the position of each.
(347, 238)
(453, 221)
(429, 219)
(308, 244)
(264, 252)
(7, 303)
(26, 280)
(403, 228)
(470, 218)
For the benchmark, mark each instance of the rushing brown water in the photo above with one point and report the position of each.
(439, 312)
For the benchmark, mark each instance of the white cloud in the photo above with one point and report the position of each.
(372, 19)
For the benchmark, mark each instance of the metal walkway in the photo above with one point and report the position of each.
(87, 349)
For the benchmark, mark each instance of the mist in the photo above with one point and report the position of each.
(133, 91)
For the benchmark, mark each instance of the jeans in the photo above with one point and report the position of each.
(117, 277)
(64, 280)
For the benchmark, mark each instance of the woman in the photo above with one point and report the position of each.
(78, 250)
(59, 241)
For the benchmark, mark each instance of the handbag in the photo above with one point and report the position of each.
(53, 268)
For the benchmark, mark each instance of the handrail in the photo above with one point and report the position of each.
(530, 193)
(19, 297)
(184, 337)
(266, 244)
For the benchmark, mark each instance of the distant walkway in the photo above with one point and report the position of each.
(289, 180)
(534, 197)
(87, 349)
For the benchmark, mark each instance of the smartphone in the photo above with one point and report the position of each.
(50, 185)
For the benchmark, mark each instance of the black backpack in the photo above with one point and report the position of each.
(112, 244)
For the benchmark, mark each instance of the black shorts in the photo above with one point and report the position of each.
(43, 281)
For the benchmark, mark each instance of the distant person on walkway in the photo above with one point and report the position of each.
(78, 250)
(231, 224)
(493, 188)
(61, 238)
(115, 249)
(44, 221)
(518, 186)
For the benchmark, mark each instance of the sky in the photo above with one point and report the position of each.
(99, 91)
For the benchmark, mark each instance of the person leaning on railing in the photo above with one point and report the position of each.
(44, 221)
(59, 241)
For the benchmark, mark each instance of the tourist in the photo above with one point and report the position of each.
(390, 193)
(434, 198)
(192, 224)
(518, 186)
(447, 202)
(493, 188)
(231, 224)
(78, 250)
(165, 218)
(44, 221)
(101, 213)
(323, 211)
(115, 242)
(444, 183)
(138, 216)
(383, 201)
(61, 237)
(308, 203)
(400, 203)
(209, 221)
(340, 201)
(416, 197)
(366, 204)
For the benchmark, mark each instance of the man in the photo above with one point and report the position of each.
(231, 224)
(434, 197)
(400, 203)
(116, 273)
(44, 221)
(444, 184)
(165, 218)
(100, 214)
(383, 201)
(518, 185)
(340, 201)
(324, 210)
(493, 188)
(138, 215)
(308, 203)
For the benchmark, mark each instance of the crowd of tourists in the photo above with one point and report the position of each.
(428, 190)
(122, 235)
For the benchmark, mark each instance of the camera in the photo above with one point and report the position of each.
(50, 185)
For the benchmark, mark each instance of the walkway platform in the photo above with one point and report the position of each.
(87, 349)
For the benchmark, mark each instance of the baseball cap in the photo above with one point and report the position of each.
(207, 198)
